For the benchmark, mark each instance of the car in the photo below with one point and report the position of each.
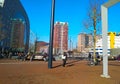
(34, 57)
(38, 57)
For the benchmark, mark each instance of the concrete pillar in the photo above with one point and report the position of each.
(104, 15)
(105, 41)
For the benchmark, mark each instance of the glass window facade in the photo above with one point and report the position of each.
(14, 26)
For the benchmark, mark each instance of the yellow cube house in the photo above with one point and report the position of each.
(112, 39)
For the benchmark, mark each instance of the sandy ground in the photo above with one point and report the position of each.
(75, 72)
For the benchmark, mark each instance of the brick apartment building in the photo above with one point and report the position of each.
(42, 46)
(60, 41)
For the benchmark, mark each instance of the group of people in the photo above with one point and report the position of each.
(24, 56)
(5, 54)
(20, 55)
(91, 59)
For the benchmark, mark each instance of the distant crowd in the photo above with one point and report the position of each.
(22, 56)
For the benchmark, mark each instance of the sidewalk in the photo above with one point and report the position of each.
(75, 72)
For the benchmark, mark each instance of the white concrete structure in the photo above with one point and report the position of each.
(117, 41)
(104, 11)
(99, 47)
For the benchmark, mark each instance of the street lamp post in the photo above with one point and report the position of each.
(51, 35)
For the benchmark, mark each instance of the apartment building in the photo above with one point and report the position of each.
(60, 42)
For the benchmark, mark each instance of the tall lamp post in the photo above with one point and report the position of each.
(51, 35)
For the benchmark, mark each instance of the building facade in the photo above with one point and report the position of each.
(60, 42)
(15, 28)
(113, 42)
(17, 34)
(42, 47)
(84, 41)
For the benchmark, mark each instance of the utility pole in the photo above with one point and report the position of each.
(51, 35)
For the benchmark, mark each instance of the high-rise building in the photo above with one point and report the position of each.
(15, 27)
(17, 34)
(60, 41)
(85, 41)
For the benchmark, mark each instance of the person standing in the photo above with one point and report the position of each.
(118, 58)
(31, 56)
(64, 58)
(89, 56)
(90, 59)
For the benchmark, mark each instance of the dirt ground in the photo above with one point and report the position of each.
(75, 72)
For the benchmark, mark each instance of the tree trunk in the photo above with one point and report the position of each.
(94, 52)
(94, 25)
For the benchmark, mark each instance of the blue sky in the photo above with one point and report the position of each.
(114, 18)
(71, 11)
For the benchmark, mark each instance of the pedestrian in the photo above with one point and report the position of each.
(118, 58)
(89, 56)
(90, 61)
(31, 56)
(64, 58)
(19, 56)
(98, 59)
(10, 55)
(22, 56)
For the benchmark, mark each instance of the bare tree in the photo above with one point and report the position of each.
(93, 20)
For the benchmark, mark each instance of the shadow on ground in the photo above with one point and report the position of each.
(68, 64)
(114, 64)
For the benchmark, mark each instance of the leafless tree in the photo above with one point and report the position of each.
(93, 21)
